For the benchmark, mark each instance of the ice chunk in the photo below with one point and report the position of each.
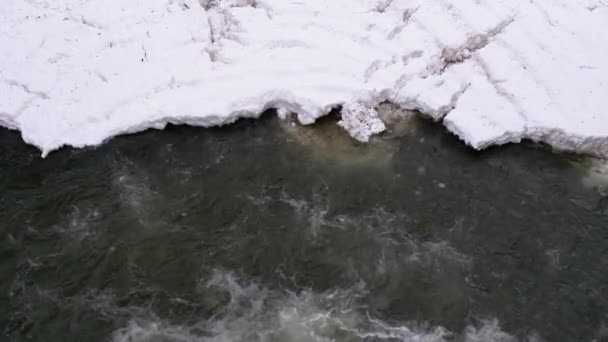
(361, 121)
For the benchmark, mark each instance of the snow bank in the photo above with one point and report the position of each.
(76, 72)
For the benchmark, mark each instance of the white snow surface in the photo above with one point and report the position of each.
(77, 72)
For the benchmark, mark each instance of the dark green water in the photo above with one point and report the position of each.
(245, 234)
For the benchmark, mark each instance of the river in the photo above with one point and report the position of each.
(262, 231)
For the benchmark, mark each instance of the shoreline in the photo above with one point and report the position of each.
(490, 73)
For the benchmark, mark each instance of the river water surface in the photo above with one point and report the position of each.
(262, 231)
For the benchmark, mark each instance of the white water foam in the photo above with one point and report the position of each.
(383, 230)
(79, 223)
(132, 185)
(256, 313)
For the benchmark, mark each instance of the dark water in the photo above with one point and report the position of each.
(246, 233)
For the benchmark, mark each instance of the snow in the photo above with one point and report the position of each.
(361, 121)
(77, 72)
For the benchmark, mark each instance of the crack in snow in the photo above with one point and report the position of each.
(500, 90)
(382, 5)
(26, 88)
(443, 111)
(82, 20)
(407, 16)
(450, 56)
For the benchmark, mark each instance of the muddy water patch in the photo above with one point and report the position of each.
(594, 172)
(326, 141)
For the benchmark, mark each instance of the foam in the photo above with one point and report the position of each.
(74, 73)
(256, 313)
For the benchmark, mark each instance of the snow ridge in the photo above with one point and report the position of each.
(75, 73)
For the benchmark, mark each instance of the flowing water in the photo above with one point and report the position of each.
(262, 231)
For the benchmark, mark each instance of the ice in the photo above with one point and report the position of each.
(78, 72)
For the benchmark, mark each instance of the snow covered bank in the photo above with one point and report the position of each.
(76, 72)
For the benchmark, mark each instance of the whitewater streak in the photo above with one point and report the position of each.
(77, 72)
(255, 313)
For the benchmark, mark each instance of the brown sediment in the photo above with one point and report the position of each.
(594, 172)
(328, 141)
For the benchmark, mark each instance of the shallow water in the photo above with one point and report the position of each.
(253, 233)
